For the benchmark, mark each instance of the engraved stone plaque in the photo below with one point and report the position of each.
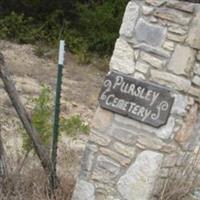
(137, 99)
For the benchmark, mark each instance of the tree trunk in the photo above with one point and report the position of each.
(9, 87)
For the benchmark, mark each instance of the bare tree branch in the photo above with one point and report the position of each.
(9, 87)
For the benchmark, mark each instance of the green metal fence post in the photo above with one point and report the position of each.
(56, 115)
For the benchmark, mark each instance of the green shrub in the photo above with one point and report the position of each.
(42, 121)
(99, 24)
(88, 27)
(16, 27)
(74, 126)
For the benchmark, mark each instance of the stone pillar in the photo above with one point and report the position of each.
(125, 159)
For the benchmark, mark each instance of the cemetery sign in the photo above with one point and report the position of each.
(137, 99)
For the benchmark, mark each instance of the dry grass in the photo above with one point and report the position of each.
(26, 179)
(34, 186)
(183, 180)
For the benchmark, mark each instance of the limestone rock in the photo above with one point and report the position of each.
(155, 2)
(172, 16)
(138, 75)
(142, 67)
(147, 142)
(152, 60)
(182, 60)
(84, 191)
(180, 104)
(117, 157)
(193, 39)
(177, 30)
(112, 198)
(159, 51)
(165, 132)
(153, 19)
(102, 119)
(169, 79)
(198, 56)
(150, 34)
(88, 157)
(147, 10)
(138, 181)
(183, 6)
(169, 45)
(99, 138)
(195, 92)
(196, 80)
(176, 38)
(103, 176)
(197, 68)
(108, 164)
(123, 149)
(129, 20)
(123, 135)
(123, 57)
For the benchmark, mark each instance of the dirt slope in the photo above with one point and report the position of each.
(80, 89)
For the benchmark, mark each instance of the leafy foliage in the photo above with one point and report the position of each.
(74, 126)
(88, 26)
(99, 24)
(42, 121)
(16, 27)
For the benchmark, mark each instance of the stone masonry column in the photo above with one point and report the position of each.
(126, 159)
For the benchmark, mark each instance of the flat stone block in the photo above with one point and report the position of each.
(150, 34)
(149, 142)
(197, 68)
(125, 150)
(102, 119)
(88, 157)
(108, 164)
(103, 176)
(182, 60)
(176, 38)
(173, 16)
(122, 59)
(183, 6)
(197, 57)
(147, 10)
(142, 67)
(123, 135)
(155, 2)
(84, 191)
(129, 20)
(180, 104)
(117, 157)
(176, 82)
(139, 76)
(196, 80)
(195, 91)
(164, 132)
(169, 45)
(99, 138)
(193, 37)
(177, 30)
(139, 179)
(152, 60)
